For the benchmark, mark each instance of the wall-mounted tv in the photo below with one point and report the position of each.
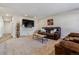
(28, 23)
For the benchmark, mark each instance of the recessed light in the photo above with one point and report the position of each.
(7, 15)
(26, 15)
(35, 16)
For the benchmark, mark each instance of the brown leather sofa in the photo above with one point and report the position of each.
(56, 35)
(68, 46)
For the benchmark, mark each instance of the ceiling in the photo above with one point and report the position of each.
(40, 10)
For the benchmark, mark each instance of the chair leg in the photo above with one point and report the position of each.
(42, 40)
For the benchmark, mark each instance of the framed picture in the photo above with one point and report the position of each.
(50, 22)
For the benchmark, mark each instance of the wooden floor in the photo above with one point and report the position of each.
(26, 45)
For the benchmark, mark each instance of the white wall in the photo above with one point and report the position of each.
(1, 27)
(68, 22)
(15, 20)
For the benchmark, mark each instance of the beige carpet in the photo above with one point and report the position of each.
(27, 46)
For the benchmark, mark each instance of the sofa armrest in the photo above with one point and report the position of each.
(70, 45)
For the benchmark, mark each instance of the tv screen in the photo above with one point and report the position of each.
(28, 23)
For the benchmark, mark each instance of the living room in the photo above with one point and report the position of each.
(38, 27)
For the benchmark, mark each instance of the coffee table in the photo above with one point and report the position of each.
(39, 36)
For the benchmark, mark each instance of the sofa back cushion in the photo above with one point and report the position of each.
(73, 35)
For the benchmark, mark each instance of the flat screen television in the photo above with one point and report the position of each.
(27, 23)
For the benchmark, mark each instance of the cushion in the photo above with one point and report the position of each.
(52, 31)
(43, 30)
(74, 35)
